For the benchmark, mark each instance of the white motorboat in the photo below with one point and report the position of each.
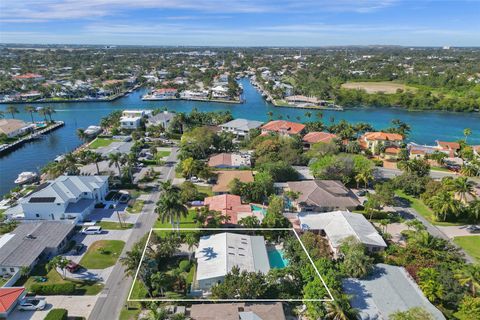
(26, 177)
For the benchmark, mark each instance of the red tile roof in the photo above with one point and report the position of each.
(315, 137)
(166, 90)
(9, 296)
(28, 76)
(392, 150)
(448, 145)
(229, 205)
(220, 159)
(284, 127)
(383, 136)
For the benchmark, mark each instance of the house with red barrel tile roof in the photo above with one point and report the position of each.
(231, 205)
(282, 127)
(9, 298)
(316, 137)
(372, 140)
(230, 160)
(29, 77)
(450, 148)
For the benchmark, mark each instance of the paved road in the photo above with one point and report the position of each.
(410, 213)
(386, 173)
(113, 296)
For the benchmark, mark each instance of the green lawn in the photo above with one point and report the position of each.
(206, 190)
(422, 209)
(53, 277)
(129, 314)
(471, 244)
(137, 207)
(139, 291)
(443, 169)
(102, 254)
(101, 142)
(162, 154)
(109, 225)
(185, 222)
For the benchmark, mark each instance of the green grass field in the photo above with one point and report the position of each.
(185, 222)
(422, 209)
(110, 225)
(102, 254)
(471, 244)
(101, 142)
(162, 154)
(137, 207)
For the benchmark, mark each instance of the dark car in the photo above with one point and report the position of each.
(72, 267)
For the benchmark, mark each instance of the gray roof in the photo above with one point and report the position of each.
(79, 206)
(16, 249)
(387, 290)
(161, 117)
(65, 188)
(339, 225)
(324, 194)
(115, 147)
(242, 124)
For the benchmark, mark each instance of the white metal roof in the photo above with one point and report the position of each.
(339, 225)
(218, 254)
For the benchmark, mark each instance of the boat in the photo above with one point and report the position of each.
(26, 177)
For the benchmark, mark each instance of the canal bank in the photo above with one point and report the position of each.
(426, 126)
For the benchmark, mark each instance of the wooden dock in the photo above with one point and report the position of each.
(35, 135)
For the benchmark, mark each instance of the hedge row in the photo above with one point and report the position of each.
(53, 289)
(57, 314)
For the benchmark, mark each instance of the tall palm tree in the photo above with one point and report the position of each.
(467, 132)
(365, 176)
(44, 112)
(12, 110)
(340, 309)
(81, 134)
(462, 188)
(115, 158)
(170, 205)
(469, 170)
(444, 204)
(469, 276)
(49, 112)
(70, 162)
(30, 110)
(95, 158)
(474, 210)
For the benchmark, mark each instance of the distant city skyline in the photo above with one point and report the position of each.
(241, 22)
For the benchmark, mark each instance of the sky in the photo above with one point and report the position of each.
(241, 22)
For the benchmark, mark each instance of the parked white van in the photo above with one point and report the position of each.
(92, 230)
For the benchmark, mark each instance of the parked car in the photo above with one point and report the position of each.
(77, 249)
(32, 304)
(72, 266)
(362, 193)
(92, 230)
(473, 229)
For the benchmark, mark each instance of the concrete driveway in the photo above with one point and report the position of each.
(79, 306)
(456, 231)
(111, 214)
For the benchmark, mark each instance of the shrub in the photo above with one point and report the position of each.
(377, 162)
(57, 314)
(184, 265)
(53, 289)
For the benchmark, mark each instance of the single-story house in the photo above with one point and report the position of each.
(387, 290)
(14, 127)
(322, 196)
(238, 311)
(282, 127)
(230, 160)
(32, 241)
(231, 205)
(224, 178)
(338, 225)
(66, 198)
(161, 119)
(9, 298)
(240, 127)
(316, 137)
(217, 254)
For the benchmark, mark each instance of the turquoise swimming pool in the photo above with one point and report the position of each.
(276, 259)
(258, 208)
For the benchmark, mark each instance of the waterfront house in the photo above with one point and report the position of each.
(231, 206)
(303, 99)
(163, 119)
(321, 196)
(336, 226)
(317, 137)
(236, 311)
(66, 198)
(9, 298)
(31, 242)
(282, 127)
(14, 127)
(224, 178)
(374, 141)
(164, 94)
(240, 127)
(449, 148)
(476, 151)
(417, 151)
(230, 160)
(387, 290)
(131, 119)
(217, 254)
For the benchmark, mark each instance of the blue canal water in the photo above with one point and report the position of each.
(426, 126)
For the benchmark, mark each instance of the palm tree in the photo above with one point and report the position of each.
(340, 309)
(444, 204)
(30, 110)
(49, 111)
(70, 164)
(115, 158)
(170, 206)
(81, 134)
(469, 276)
(157, 313)
(131, 260)
(95, 158)
(462, 188)
(469, 170)
(467, 132)
(365, 176)
(474, 210)
(249, 222)
(12, 110)
(58, 262)
(43, 112)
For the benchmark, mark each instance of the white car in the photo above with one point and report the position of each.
(32, 304)
(92, 230)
